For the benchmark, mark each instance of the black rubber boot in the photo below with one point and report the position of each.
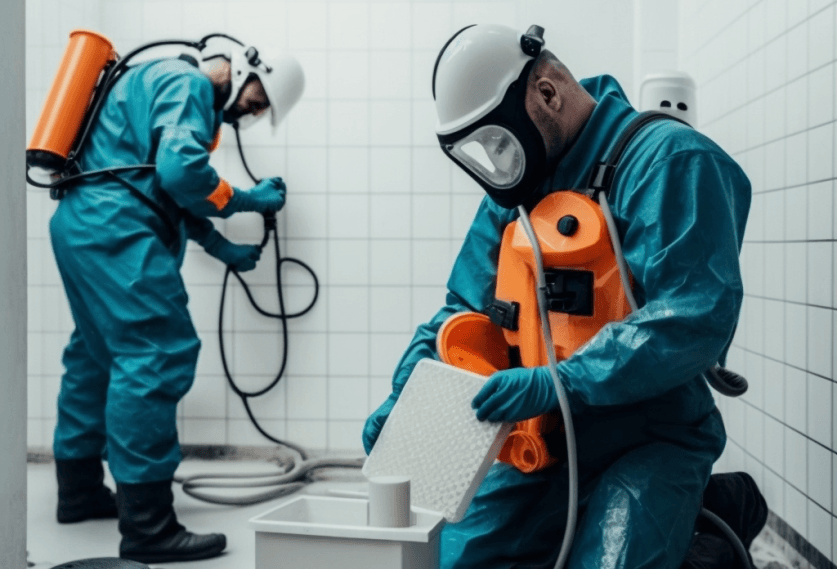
(81, 492)
(149, 528)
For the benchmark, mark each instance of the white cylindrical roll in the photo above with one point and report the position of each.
(389, 501)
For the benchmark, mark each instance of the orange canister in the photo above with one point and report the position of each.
(85, 58)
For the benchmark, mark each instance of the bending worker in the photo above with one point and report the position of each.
(132, 355)
(646, 425)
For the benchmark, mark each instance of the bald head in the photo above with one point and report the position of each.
(557, 104)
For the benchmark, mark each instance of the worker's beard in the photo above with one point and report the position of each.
(222, 93)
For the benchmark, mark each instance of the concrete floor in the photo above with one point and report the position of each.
(50, 543)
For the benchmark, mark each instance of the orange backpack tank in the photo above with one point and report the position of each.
(584, 292)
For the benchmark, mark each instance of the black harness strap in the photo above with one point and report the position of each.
(604, 172)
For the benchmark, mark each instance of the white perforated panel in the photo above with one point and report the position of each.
(433, 436)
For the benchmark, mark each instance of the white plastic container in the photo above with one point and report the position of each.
(320, 532)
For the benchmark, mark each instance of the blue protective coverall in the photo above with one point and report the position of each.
(647, 427)
(133, 353)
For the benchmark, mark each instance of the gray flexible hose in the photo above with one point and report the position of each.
(283, 483)
(572, 460)
(736, 542)
(617, 249)
(623, 272)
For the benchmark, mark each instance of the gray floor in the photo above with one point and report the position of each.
(51, 544)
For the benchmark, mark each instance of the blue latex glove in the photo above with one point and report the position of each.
(267, 196)
(242, 258)
(375, 423)
(517, 394)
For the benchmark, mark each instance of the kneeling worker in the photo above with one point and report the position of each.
(647, 428)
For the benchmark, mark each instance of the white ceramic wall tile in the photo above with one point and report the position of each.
(796, 510)
(774, 284)
(774, 388)
(819, 412)
(819, 527)
(390, 262)
(389, 171)
(389, 26)
(345, 436)
(819, 474)
(389, 123)
(267, 407)
(307, 397)
(736, 421)
(348, 123)
(431, 262)
(821, 38)
(755, 395)
(795, 337)
(820, 152)
(390, 217)
(796, 460)
(427, 301)
(432, 24)
(755, 325)
(754, 437)
(348, 216)
(348, 311)
(776, 52)
(431, 217)
(207, 399)
(348, 263)
(774, 159)
(311, 435)
(819, 340)
(774, 492)
(307, 124)
(348, 75)
(463, 209)
(309, 19)
(774, 208)
(795, 261)
(820, 95)
(819, 273)
(348, 354)
(348, 25)
(348, 398)
(203, 432)
(241, 432)
(424, 124)
(389, 309)
(385, 352)
(796, 393)
(833, 482)
(431, 171)
(390, 72)
(796, 154)
(820, 210)
(35, 434)
(774, 449)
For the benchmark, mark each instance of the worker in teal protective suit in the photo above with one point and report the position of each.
(646, 424)
(132, 355)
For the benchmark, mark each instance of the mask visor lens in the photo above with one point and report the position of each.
(494, 154)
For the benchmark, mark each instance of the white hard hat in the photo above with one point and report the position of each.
(473, 73)
(671, 92)
(281, 76)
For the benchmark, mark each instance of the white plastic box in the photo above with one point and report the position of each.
(320, 532)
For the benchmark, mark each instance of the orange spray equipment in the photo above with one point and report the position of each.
(86, 57)
(584, 292)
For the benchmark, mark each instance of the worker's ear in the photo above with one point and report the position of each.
(547, 95)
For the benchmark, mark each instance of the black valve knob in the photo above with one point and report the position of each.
(568, 225)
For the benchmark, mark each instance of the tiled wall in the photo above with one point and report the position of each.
(765, 71)
(373, 205)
